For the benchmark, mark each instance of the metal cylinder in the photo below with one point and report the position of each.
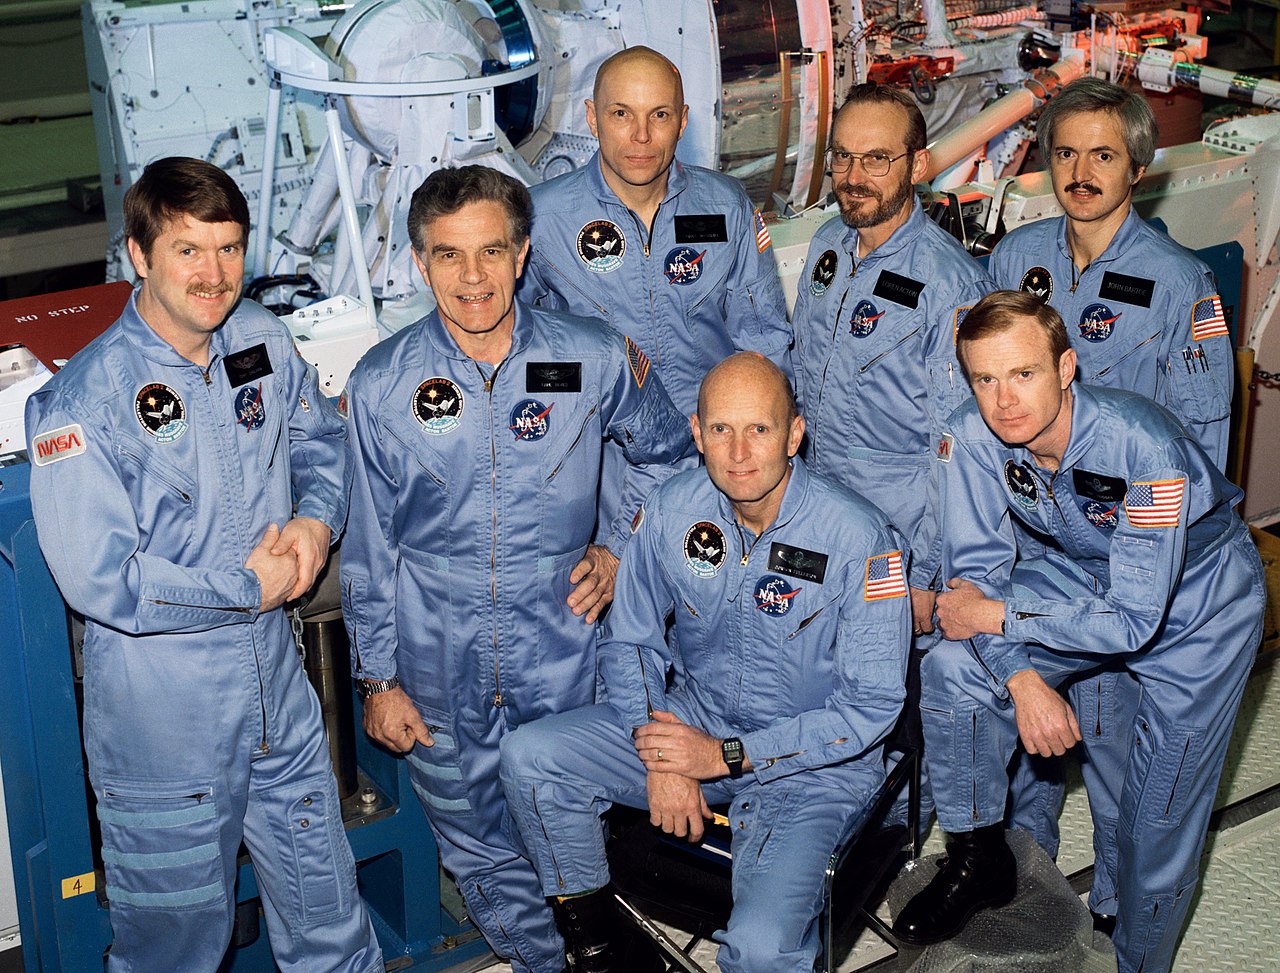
(328, 666)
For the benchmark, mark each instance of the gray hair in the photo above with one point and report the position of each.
(1137, 120)
(446, 191)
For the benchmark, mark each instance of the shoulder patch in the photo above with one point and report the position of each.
(884, 577)
(58, 444)
(1156, 503)
(956, 320)
(639, 363)
(344, 405)
(1208, 319)
(763, 240)
(946, 445)
(638, 519)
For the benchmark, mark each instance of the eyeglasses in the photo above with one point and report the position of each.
(873, 163)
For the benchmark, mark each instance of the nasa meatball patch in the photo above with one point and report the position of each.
(530, 420)
(684, 265)
(250, 411)
(774, 595)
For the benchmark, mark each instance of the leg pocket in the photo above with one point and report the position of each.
(1161, 774)
(160, 844)
(436, 771)
(317, 859)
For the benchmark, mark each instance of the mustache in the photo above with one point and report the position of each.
(860, 188)
(220, 289)
(1088, 186)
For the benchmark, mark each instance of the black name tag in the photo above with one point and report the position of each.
(797, 562)
(1128, 290)
(899, 289)
(553, 376)
(246, 365)
(1096, 486)
(701, 228)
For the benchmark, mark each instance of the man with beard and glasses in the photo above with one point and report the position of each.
(1143, 314)
(875, 319)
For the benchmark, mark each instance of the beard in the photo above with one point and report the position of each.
(885, 208)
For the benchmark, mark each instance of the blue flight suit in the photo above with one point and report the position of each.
(876, 368)
(1145, 564)
(1145, 317)
(153, 480)
(473, 499)
(795, 641)
(699, 286)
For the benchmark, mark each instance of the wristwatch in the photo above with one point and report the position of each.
(371, 687)
(733, 755)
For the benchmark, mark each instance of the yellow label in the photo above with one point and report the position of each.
(78, 885)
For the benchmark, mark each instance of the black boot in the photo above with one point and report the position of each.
(978, 872)
(598, 940)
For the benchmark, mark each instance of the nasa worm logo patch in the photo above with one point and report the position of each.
(704, 549)
(530, 420)
(601, 246)
(160, 412)
(437, 404)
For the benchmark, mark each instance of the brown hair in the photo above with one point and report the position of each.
(174, 187)
(1001, 310)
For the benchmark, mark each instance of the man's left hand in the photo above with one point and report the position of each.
(965, 611)
(308, 538)
(592, 581)
(671, 746)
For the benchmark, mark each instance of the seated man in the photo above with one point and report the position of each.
(793, 620)
(1152, 569)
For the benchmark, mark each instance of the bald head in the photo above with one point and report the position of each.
(748, 375)
(618, 68)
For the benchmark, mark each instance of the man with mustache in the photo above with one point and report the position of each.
(187, 480)
(1143, 314)
(672, 255)
(883, 291)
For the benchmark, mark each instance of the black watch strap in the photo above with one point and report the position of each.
(732, 753)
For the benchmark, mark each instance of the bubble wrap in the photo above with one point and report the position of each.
(1045, 929)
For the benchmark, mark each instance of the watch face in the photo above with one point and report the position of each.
(732, 750)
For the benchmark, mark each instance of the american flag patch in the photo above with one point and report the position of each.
(955, 324)
(1207, 319)
(1154, 504)
(884, 577)
(763, 240)
(638, 361)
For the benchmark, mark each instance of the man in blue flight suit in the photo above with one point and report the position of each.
(1153, 569)
(751, 554)
(476, 437)
(1143, 314)
(167, 455)
(875, 321)
(670, 254)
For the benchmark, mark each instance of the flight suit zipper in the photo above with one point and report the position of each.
(493, 541)
(1128, 353)
(893, 347)
(826, 366)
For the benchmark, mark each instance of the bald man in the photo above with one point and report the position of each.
(750, 553)
(673, 256)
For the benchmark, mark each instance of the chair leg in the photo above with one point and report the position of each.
(678, 956)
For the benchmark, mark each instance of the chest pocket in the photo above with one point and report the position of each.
(571, 447)
(162, 493)
(417, 451)
(947, 387)
(884, 350)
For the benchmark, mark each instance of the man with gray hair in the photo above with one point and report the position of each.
(1143, 315)
(476, 438)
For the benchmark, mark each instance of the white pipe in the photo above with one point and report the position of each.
(262, 241)
(1001, 114)
(347, 193)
